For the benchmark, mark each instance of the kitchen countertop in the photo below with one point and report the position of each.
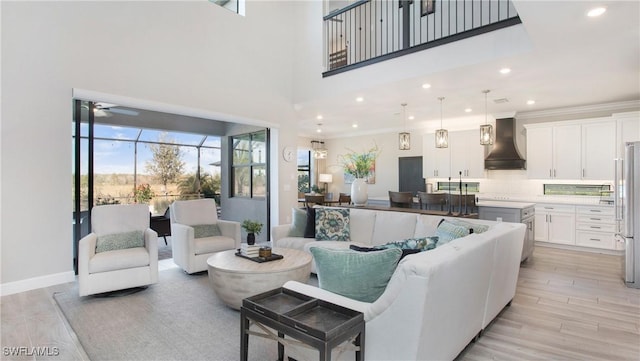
(575, 200)
(505, 204)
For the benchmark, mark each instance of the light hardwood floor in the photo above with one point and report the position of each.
(569, 305)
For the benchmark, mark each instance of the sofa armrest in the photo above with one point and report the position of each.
(279, 232)
(328, 296)
(86, 251)
(230, 229)
(151, 244)
(183, 244)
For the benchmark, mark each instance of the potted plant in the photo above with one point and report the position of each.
(253, 228)
(359, 165)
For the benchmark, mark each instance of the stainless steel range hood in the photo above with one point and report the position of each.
(504, 154)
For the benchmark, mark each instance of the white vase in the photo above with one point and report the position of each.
(359, 193)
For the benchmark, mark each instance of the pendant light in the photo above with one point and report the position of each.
(442, 135)
(486, 130)
(319, 151)
(404, 138)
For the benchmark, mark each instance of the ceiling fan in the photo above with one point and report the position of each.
(107, 110)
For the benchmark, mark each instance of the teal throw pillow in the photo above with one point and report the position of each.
(447, 232)
(477, 228)
(298, 222)
(114, 241)
(332, 224)
(421, 244)
(206, 230)
(361, 276)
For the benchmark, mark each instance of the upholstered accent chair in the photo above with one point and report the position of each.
(120, 252)
(197, 233)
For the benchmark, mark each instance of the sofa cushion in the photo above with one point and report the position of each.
(294, 242)
(426, 225)
(310, 227)
(206, 230)
(361, 223)
(332, 224)
(213, 244)
(448, 231)
(123, 240)
(362, 276)
(393, 225)
(298, 222)
(119, 259)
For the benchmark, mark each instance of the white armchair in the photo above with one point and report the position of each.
(191, 253)
(120, 268)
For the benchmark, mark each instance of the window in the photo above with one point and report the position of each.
(304, 171)
(248, 165)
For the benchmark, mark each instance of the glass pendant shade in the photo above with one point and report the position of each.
(442, 138)
(486, 134)
(404, 141)
(319, 151)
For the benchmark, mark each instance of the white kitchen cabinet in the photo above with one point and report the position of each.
(582, 149)
(598, 150)
(628, 130)
(555, 223)
(467, 154)
(435, 161)
(595, 227)
(550, 154)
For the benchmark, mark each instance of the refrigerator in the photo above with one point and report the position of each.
(627, 205)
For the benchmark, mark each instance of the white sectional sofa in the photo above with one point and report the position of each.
(436, 301)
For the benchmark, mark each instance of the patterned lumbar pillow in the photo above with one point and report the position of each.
(477, 228)
(332, 224)
(114, 241)
(447, 232)
(298, 222)
(421, 244)
(362, 276)
(206, 230)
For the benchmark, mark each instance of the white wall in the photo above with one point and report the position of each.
(189, 54)
(386, 164)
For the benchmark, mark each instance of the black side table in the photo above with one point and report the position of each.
(317, 323)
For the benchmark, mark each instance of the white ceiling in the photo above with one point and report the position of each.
(574, 61)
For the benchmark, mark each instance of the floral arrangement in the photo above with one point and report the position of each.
(143, 193)
(252, 226)
(359, 165)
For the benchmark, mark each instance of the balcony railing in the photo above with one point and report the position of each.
(368, 31)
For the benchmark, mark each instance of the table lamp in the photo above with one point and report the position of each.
(326, 179)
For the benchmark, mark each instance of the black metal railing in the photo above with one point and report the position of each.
(371, 31)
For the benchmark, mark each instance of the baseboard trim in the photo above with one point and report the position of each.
(579, 248)
(29, 284)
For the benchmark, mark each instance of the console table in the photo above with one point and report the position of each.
(309, 322)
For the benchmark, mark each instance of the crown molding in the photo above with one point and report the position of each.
(584, 109)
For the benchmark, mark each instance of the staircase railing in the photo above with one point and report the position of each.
(370, 31)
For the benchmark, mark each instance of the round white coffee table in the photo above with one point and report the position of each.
(234, 278)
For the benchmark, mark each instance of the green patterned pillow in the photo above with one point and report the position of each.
(477, 228)
(332, 224)
(361, 276)
(447, 232)
(298, 222)
(114, 241)
(206, 230)
(422, 243)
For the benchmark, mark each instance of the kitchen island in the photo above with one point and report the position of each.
(517, 212)
(413, 210)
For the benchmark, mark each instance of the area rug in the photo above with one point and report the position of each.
(179, 318)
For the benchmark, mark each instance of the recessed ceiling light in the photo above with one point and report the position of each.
(505, 71)
(319, 116)
(531, 102)
(426, 86)
(595, 12)
(359, 99)
(468, 110)
(318, 130)
(411, 117)
(354, 125)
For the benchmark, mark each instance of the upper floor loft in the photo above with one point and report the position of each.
(367, 32)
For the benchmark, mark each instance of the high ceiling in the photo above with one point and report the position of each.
(574, 61)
